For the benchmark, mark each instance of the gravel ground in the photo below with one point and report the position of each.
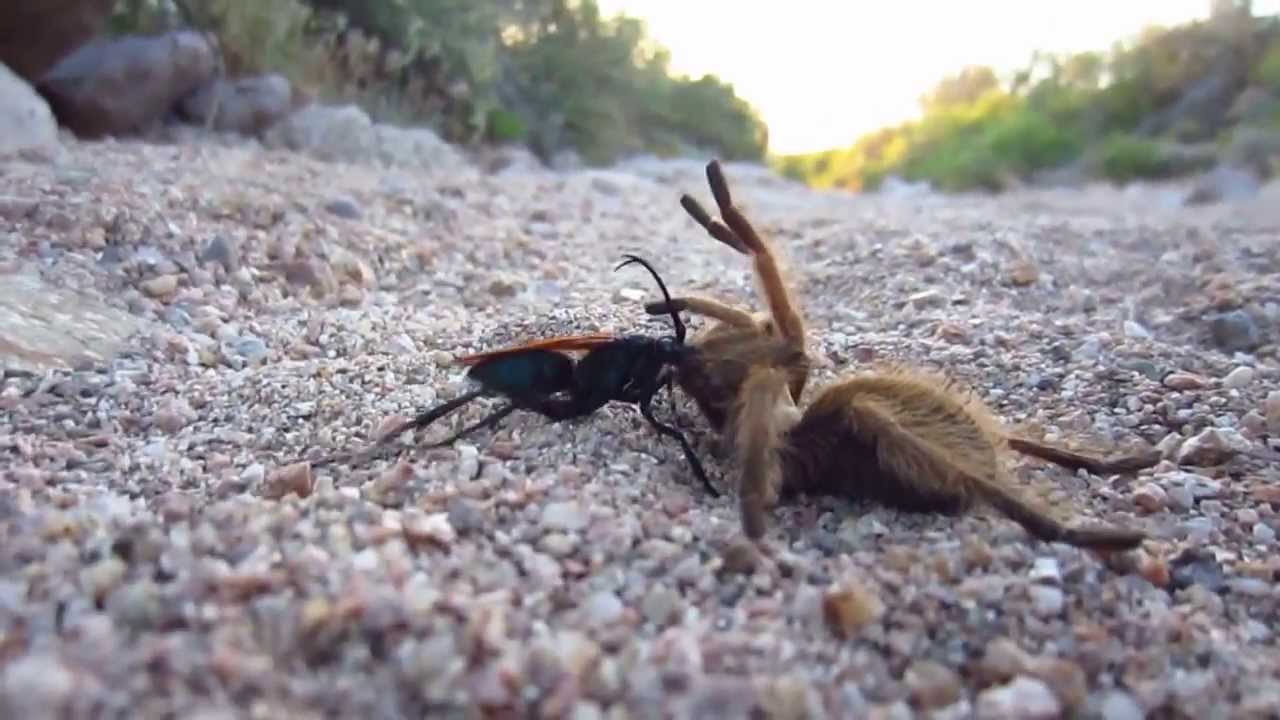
(166, 554)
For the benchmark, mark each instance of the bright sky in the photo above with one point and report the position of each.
(823, 72)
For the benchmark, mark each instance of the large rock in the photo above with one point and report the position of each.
(36, 34)
(1224, 183)
(342, 132)
(26, 124)
(43, 326)
(127, 85)
(247, 105)
(345, 133)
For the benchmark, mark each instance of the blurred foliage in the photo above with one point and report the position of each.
(554, 74)
(1118, 113)
(1126, 157)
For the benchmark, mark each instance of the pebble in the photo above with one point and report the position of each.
(932, 685)
(1023, 698)
(1181, 498)
(927, 299)
(160, 286)
(1023, 272)
(1150, 497)
(1001, 660)
(1234, 330)
(1046, 570)
(1263, 533)
(1198, 529)
(558, 544)
(1178, 380)
(1201, 568)
(465, 515)
(603, 608)
(1135, 330)
(1119, 705)
(1271, 410)
(1145, 368)
(1210, 447)
(660, 605)
(253, 474)
(343, 207)
(295, 478)
(220, 250)
(36, 686)
(468, 462)
(1046, 601)
(251, 348)
(847, 610)
(566, 516)
(1239, 378)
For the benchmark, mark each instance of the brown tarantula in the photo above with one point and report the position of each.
(906, 438)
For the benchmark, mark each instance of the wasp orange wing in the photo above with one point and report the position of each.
(563, 342)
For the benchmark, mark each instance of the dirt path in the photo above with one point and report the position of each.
(182, 322)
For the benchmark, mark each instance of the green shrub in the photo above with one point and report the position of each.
(1127, 157)
(505, 126)
(1267, 72)
(1024, 141)
(553, 74)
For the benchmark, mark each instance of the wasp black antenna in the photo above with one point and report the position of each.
(675, 315)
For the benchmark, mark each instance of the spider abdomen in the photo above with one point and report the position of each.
(911, 440)
(902, 438)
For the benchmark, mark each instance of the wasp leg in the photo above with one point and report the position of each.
(490, 421)
(646, 409)
(671, 398)
(419, 421)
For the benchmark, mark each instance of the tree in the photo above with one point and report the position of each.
(963, 88)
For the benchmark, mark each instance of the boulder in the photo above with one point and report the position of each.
(27, 126)
(127, 85)
(344, 133)
(1223, 183)
(246, 105)
(34, 36)
(332, 133)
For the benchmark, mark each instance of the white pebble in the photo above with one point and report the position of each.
(1271, 409)
(1239, 378)
(566, 516)
(1022, 697)
(1263, 533)
(1046, 570)
(1046, 600)
(1119, 705)
(36, 686)
(1135, 330)
(468, 462)
(603, 608)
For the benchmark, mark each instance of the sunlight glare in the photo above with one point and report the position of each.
(824, 72)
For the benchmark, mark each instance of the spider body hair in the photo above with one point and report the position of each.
(911, 440)
(907, 438)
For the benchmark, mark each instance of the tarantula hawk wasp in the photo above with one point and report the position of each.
(540, 377)
(903, 437)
